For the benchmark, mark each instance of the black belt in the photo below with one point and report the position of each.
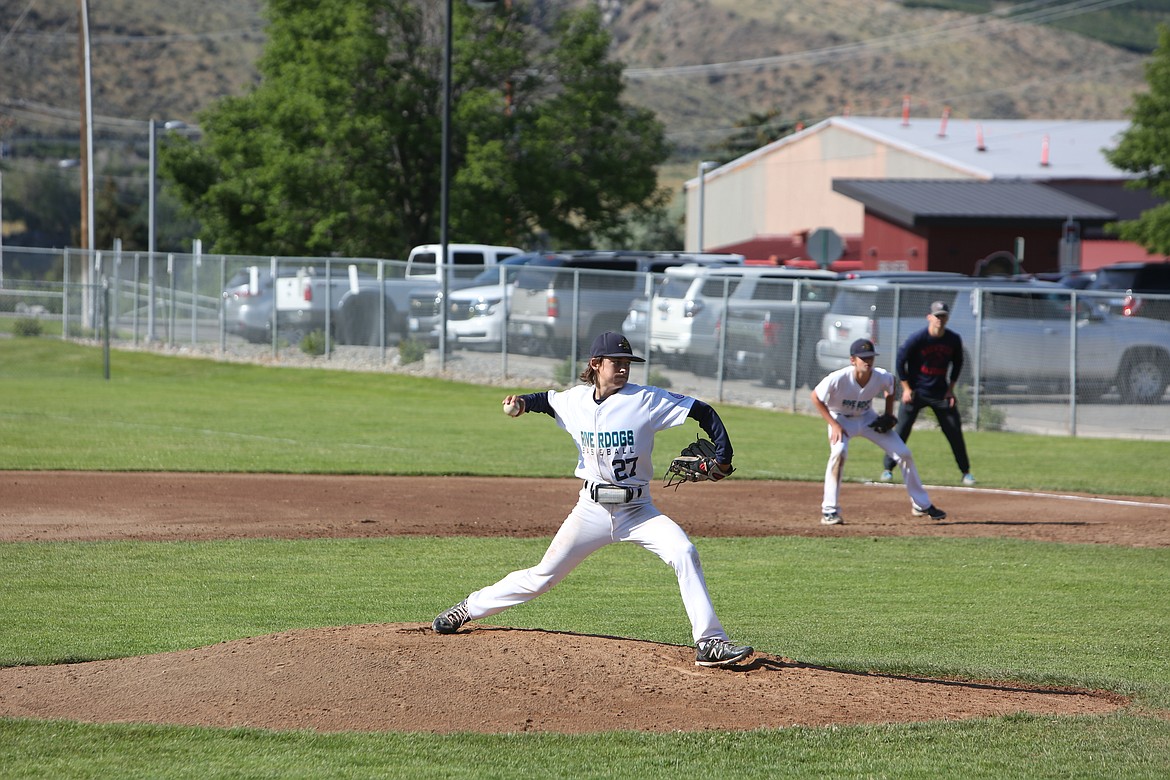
(604, 493)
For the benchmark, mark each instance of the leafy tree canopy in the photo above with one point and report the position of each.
(338, 148)
(754, 131)
(1144, 149)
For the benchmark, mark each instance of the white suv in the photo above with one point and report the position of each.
(477, 316)
(683, 314)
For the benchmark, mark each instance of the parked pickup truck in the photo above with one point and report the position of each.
(361, 308)
(593, 289)
(770, 312)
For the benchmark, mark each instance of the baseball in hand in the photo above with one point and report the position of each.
(511, 408)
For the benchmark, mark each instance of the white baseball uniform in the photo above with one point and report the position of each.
(852, 407)
(615, 440)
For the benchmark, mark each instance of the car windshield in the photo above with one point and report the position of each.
(537, 274)
(674, 287)
(1114, 279)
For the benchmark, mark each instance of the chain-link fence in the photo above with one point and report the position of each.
(1038, 358)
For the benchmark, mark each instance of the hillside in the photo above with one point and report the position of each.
(817, 58)
(701, 64)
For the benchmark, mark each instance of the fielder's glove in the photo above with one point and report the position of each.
(696, 463)
(884, 423)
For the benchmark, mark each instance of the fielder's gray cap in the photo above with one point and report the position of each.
(614, 345)
(940, 308)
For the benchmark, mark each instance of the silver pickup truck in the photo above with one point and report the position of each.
(362, 309)
(1019, 336)
(772, 316)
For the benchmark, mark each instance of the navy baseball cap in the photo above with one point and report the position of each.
(862, 348)
(940, 309)
(614, 345)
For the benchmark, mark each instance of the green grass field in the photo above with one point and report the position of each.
(1093, 616)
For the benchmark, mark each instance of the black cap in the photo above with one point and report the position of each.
(613, 345)
(940, 309)
(862, 348)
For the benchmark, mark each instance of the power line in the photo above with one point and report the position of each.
(965, 27)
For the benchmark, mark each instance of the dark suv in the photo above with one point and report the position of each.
(1146, 288)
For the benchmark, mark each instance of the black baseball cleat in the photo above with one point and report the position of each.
(452, 620)
(720, 652)
(932, 511)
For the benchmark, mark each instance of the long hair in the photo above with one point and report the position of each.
(589, 374)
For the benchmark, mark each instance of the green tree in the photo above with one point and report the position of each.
(114, 217)
(338, 148)
(752, 132)
(47, 201)
(1144, 149)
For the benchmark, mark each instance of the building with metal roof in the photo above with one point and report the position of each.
(768, 201)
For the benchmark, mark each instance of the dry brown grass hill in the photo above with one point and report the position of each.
(807, 58)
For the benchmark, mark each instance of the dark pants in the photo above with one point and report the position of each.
(948, 421)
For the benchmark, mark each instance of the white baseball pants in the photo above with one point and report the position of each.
(889, 441)
(588, 528)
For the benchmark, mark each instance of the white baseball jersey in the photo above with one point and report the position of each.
(615, 442)
(615, 438)
(852, 408)
(840, 392)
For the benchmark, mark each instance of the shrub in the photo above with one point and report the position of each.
(991, 418)
(659, 379)
(565, 373)
(313, 343)
(27, 326)
(411, 351)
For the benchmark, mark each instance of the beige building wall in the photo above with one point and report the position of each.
(787, 187)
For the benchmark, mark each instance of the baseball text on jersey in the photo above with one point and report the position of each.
(594, 440)
(852, 405)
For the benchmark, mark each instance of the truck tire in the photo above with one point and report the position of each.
(1143, 377)
(702, 365)
(1091, 390)
(532, 345)
(772, 374)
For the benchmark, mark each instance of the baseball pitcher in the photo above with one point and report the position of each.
(613, 423)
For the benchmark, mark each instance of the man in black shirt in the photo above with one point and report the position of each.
(929, 364)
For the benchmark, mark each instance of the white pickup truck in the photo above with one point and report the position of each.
(359, 308)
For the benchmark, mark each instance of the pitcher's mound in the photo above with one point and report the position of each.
(404, 677)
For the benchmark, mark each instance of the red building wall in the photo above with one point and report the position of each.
(886, 245)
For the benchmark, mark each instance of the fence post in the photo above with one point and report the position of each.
(196, 261)
(106, 325)
(222, 305)
(65, 296)
(977, 358)
(721, 347)
(1072, 364)
(171, 324)
(151, 332)
(648, 287)
(576, 323)
(117, 276)
(794, 372)
(137, 294)
(272, 321)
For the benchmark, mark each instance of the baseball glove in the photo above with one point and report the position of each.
(884, 423)
(696, 463)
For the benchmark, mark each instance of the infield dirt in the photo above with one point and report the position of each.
(403, 677)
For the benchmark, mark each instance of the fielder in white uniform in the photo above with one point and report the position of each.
(845, 399)
(613, 423)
